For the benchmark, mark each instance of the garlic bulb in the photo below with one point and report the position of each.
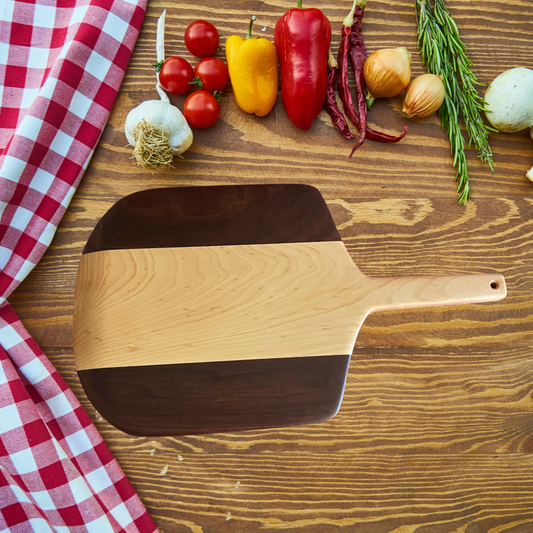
(423, 96)
(160, 115)
(387, 72)
(158, 131)
(155, 128)
(509, 102)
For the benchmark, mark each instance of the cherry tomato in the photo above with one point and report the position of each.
(201, 38)
(201, 109)
(211, 74)
(175, 75)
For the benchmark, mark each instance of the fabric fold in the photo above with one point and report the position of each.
(61, 66)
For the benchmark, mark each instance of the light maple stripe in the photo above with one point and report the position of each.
(159, 306)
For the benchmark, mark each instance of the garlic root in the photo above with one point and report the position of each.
(152, 147)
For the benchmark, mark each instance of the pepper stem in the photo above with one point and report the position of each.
(299, 4)
(332, 62)
(249, 35)
(369, 99)
(348, 21)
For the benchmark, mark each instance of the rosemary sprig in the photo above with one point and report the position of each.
(443, 53)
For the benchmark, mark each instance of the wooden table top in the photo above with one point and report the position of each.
(435, 433)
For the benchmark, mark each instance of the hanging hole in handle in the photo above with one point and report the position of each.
(494, 285)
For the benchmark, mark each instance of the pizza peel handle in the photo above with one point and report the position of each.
(389, 293)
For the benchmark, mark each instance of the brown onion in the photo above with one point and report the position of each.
(387, 72)
(423, 96)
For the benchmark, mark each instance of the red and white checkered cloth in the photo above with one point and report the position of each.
(61, 65)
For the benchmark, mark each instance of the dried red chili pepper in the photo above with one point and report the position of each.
(342, 58)
(331, 105)
(358, 57)
(380, 137)
(352, 45)
(302, 38)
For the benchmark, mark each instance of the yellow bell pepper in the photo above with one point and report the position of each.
(253, 70)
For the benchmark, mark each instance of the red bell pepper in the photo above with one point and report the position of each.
(302, 38)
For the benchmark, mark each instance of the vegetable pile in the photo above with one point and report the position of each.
(311, 75)
(211, 75)
(352, 46)
(158, 130)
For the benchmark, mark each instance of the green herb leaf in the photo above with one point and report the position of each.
(443, 53)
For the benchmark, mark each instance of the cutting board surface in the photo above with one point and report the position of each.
(203, 309)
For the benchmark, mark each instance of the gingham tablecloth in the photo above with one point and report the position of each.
(61, 65)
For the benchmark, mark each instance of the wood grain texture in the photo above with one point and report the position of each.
(435, 430)
(321, 493)
(389, 461)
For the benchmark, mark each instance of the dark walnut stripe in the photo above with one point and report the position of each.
(217, 397)
(215, 216)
